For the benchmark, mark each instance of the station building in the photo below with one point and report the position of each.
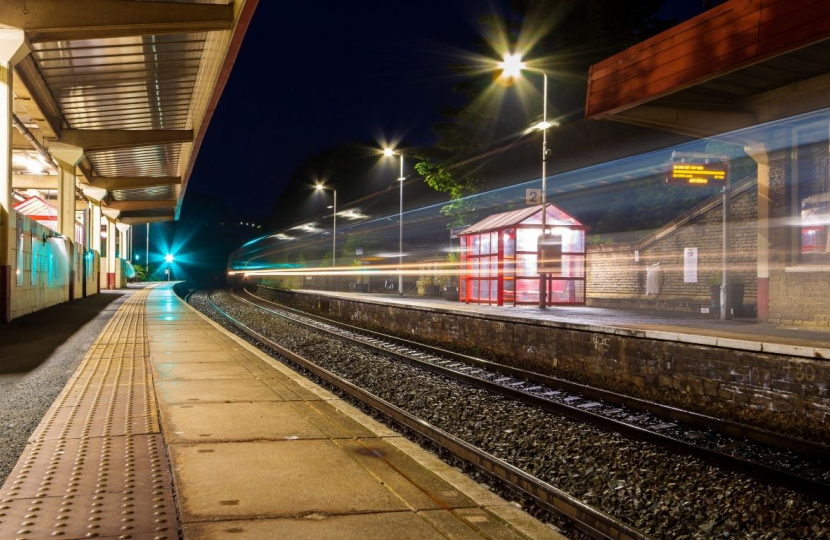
(721, 75)
(103, 106)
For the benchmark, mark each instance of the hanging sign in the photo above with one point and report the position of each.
(690, 265)
(533, 197)
(549, 259)
(689, 169)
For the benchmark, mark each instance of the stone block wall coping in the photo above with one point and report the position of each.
(697, 339)
(806, 268)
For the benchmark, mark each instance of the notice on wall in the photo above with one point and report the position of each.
(636, 255)
(690, 265)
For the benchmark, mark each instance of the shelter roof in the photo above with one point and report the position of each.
(36, 208)
(524, 216)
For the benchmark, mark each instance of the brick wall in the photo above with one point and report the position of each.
(613, 274)
(776, 391)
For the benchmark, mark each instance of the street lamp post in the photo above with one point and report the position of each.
(512, 67)
(390, 152)
(321, 187)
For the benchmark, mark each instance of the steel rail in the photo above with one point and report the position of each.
(763, 472)
(727, 427)
(586, 518)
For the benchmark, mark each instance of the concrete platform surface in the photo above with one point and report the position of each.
(255, 450)
(649, 324)
(258, 451)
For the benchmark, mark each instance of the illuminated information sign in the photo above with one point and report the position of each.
(696, 170)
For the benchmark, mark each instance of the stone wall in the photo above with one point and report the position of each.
(798, 291)
(781, 392)
(613, 273)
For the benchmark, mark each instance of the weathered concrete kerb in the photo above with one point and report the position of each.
(776, 391)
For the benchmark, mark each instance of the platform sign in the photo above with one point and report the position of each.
(687, 169)
(358, 251)
(549, 259)
(533, 197)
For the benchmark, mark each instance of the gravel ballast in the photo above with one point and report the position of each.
(663, 494)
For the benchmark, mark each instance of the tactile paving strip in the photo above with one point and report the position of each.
(95, 467)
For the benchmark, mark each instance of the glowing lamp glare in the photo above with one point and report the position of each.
(512, 65)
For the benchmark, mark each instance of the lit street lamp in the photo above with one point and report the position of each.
(512, 67)
(169, 258)
(321, 187)
(389, 153)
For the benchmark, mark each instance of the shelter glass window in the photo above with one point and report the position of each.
(475, 239)
(526, 265)
(527, 290)
(509, 244)
(527, 239)
(813, 174)
(485, 244)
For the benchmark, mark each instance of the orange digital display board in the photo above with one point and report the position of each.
(696, 170)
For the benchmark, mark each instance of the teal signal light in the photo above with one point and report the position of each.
(169, 258)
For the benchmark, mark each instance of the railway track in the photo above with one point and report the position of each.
(584, 517)
(788, 462)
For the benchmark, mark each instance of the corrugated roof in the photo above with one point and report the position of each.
(36, 207)
(524, 216)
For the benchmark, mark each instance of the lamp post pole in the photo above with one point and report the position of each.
(391, 152)
(147, 252)
(543, 282)
(321, 187)
(400, 234)
(512, 67)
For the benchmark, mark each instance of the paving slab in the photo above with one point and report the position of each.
(274, 479)
(242, 421)
(207, 391)
(401, 525)
(201, 370)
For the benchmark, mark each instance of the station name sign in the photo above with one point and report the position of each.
(687, 169)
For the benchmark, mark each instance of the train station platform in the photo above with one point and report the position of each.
(173, 426)
(661, 325)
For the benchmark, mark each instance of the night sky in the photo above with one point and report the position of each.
(312, 74)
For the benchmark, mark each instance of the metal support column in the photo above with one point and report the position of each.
(13, 48)
(725, 287)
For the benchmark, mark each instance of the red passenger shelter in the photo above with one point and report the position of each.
(499, 254)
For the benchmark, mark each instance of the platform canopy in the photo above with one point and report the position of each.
(133, 84)
(740, 64)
